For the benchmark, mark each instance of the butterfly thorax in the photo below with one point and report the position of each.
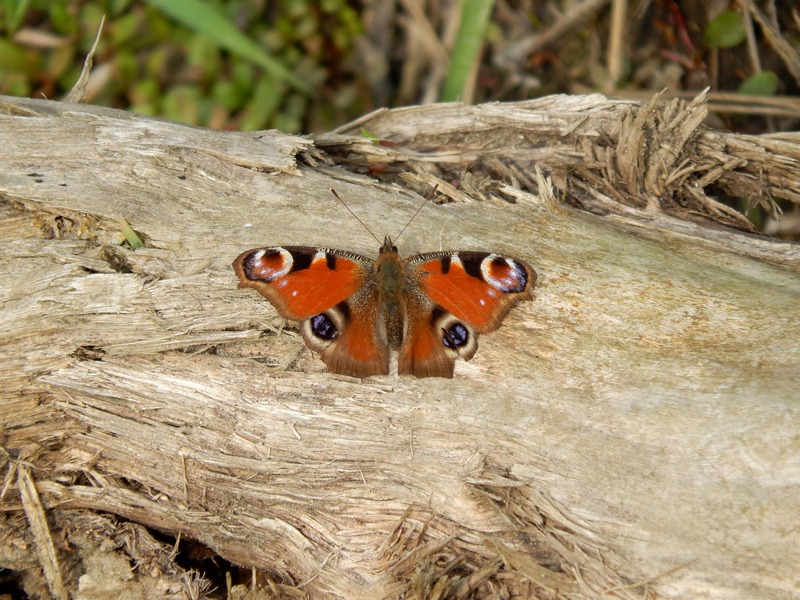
(390, 280)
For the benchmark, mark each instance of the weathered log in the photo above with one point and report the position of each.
(632, 430)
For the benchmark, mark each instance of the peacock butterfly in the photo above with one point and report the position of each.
(353, 309)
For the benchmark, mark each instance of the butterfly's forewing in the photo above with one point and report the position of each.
(477, 287)
(330, 292)
(301, 281)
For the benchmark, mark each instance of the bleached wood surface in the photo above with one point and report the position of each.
(633, 430)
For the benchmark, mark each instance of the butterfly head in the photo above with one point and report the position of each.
(388, 245)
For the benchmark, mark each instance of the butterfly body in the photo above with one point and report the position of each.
(429, 308)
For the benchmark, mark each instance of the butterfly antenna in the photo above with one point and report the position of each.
(433, 191)
(333, 191)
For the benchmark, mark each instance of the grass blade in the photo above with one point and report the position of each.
(475, 16)
(204, 18)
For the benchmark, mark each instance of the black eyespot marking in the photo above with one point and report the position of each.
(446, 261)
(522, 276)
(455, 336)
(436, 314)
(472, 264)
(247, 265)
(262, 266)
(301, 260)
(505, 274)
(510, 274)
(344, 310)
(323, 327)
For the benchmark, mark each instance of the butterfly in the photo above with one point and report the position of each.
(352, 309)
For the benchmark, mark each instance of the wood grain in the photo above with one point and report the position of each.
(631, 432)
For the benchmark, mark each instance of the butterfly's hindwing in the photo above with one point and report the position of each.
(434, 339)
(456, 335)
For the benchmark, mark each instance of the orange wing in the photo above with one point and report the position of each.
(463, 294)
(477, 287)
(301, 281)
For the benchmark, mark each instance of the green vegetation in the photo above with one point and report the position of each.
(310, 65)
(229, 65)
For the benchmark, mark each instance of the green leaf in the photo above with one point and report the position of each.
(202, 17)
(182, 103)
(475, 15)
(63, 21)
(14, 12)
(133, 239)
(726, 30)
(263, 106)
(14, 59)
(291, 117)
(760, 84)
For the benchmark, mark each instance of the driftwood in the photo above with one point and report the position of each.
(631, 432)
